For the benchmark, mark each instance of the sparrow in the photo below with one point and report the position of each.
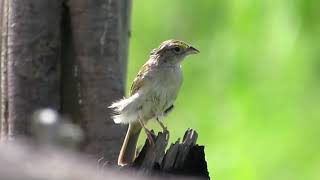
(152, 94)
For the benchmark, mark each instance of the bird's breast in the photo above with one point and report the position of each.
(166, 88)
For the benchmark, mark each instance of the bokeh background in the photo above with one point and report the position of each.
(253, 93)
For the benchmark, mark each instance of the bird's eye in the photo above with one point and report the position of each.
(177, 49)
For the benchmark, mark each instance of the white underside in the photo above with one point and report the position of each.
(151, 100)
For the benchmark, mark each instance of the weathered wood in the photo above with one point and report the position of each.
(185, 158)
(94, 70)
(54, 156)
(29, 62)
(70, 56)
(151, 157)
(4, 126)
(33, 162)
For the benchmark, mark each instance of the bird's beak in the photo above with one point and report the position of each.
(192, 50)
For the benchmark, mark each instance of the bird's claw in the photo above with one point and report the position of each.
(150, 136)
(151, 140)
(165, 129)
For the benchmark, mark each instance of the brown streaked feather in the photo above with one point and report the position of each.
(140, 78)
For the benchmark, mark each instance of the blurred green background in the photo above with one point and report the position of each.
(253, 93)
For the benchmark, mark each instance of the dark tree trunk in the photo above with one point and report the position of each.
(97, 33)
(33, 66)
(3, 40)
(70, 56)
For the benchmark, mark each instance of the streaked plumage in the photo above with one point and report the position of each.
(153, 91)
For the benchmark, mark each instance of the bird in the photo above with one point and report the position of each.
(152, 94)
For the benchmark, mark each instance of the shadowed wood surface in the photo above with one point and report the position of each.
(37, 161)
(69, 56)
(94, 60)
(184, 158)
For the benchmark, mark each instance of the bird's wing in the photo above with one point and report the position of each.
(140, 79)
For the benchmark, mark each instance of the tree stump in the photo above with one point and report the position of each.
(184, 158)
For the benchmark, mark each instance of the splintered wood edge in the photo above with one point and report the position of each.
(170, 156)
(190, 137)
(152, 154)
(189, 140)
(173, 158)
(155, 153)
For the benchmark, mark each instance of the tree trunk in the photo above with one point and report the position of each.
(97, 33)
(30, 62)
(70, 56)
(3, 40)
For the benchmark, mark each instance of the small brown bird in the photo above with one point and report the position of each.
(152, 94)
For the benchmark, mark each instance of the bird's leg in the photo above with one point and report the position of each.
(164, 128)
(147, 131)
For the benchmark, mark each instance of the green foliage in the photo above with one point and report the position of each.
(253, 93)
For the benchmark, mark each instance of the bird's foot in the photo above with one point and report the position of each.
(150, 136)
(164, 128)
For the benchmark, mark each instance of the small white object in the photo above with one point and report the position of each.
(48, 116)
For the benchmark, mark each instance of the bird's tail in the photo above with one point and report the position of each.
(124, 110)
(128, 149)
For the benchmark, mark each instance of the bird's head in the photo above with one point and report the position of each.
(173, 51)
